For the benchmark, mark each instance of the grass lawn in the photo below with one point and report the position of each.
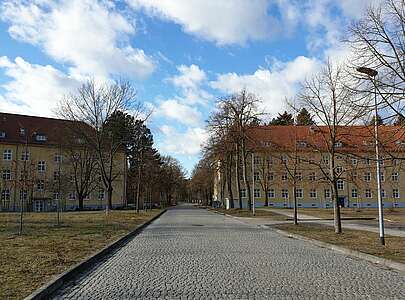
(363, 241)
(237, 212)
(396, 215)
(45, 250)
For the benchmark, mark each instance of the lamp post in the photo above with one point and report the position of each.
(371, 73)
(253, 185)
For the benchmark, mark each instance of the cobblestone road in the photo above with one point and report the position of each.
(190, 253)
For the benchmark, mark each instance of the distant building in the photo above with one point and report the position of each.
(278, 154)
(35, 172)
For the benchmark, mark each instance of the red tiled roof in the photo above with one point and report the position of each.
(308, 138)
(11, 124)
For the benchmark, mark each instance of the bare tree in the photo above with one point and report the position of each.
(377, 41)
(327, 97)
(94, 105)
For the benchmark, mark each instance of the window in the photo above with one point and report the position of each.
(312, 176)
(340, 184)
(242, 193)
(284, 177)
(325, 159)
(41, 166)
(101, 194)
(395, 193)
(354, 193)
(40, 138)
(301, 144)
(354, 175)
(367, 176)
(270, 160)
(23, 195)
(86, 197)
(55, 195)
(298, 176)
(40, 185)
(284, 159)
(6, 174)
(2, 134)
(339, 170)
(72, 196)
(354, 161)
(394, 162)
(7, 154)
(257, 160)
(23, 175)
(25, 155)
(5, 195)
(338, 145)
(270, 176)
(368, 161)
(368, 193)
(22, 131)
(383, 195)
(382, 161)
(299, 193)
(312, 193)
(339, 157)
(56, 175)
(382, 176)
(395, 176)
(271, 193)
(58, 158)
(256, 176)
(256, 193)
(327, 193)
(284, 193)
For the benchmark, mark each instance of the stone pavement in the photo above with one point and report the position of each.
(349, 224)
(190, 253)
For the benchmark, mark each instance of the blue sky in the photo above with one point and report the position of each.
(179, 54)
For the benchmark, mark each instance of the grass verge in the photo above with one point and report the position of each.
(45, 249)
(362, 241)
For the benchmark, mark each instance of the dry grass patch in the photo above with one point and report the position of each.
(45, 250)
(363, 241)
(237, 212)
(396, 215)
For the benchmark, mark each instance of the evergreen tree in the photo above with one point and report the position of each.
(283, 119)
(304, 117)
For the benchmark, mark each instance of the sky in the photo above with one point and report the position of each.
(180, 55)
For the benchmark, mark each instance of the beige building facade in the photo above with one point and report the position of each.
(35, 171)
(284, 159)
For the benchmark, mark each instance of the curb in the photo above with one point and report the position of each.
(353, 253)
(49, 288)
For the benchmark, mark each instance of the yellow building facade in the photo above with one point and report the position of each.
(285, 162)
(35, 169)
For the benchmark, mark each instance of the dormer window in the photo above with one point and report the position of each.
(40, 138)
(338, 144)
(2, 134)
(301, 144)
(22, 131)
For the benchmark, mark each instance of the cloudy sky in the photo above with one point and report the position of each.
(181, 55)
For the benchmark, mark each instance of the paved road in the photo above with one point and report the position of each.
(191, 253)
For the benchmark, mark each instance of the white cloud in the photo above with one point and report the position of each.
(271, 85)
(182, 143)
(223, 22)
(182, 113)
(34, 89)
(90, 35)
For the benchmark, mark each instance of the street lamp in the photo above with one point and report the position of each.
(371, 73)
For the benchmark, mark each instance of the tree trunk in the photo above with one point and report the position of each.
(266, 198)
(336, 208)
(245, 180)
(238, 176)
(295, 205)
(229, 181)
(138, 189)
(109, 197)
(81, 206)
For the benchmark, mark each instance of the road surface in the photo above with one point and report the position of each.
(190, 253)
